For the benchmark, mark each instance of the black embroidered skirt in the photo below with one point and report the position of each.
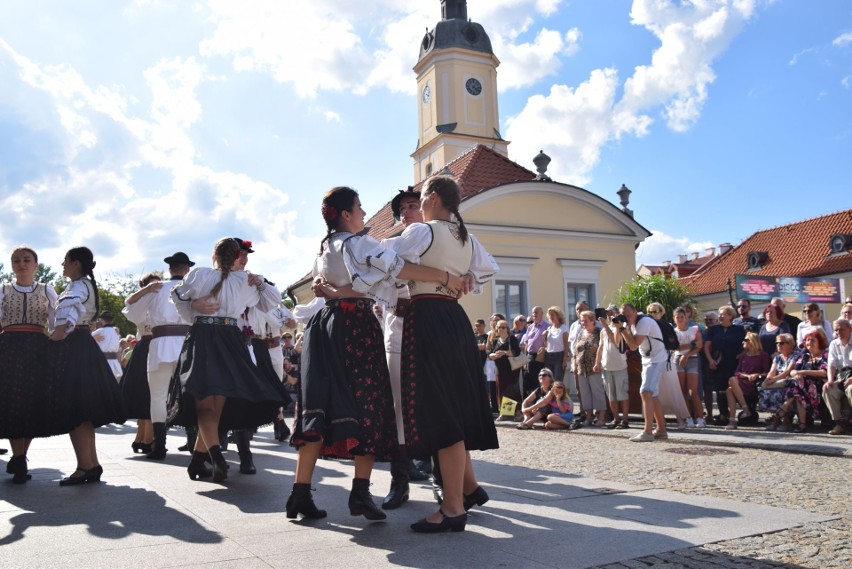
(444, 397)
(134, 382)
(89, 388)
(30, 397)
(215, 360)
(345, 397)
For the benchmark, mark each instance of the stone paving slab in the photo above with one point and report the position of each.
(150, 514)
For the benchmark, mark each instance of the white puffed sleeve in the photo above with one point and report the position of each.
(188, 290)
(52, 299)
(69, 305)
(412, 243)
(302, 313)
(138, 311)
(270, 297)
(483, 267)
(372, 267)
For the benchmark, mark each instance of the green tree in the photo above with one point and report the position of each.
(641, 291)
(44, 274)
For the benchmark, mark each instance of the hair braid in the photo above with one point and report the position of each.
(224, 254)
(462, 229)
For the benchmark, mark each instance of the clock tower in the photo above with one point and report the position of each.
(456, 92)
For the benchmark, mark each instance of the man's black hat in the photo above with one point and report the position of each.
(177, 259)
(398, 198)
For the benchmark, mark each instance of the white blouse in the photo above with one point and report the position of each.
(361, 261)
(157, 309)
(76, 305)
(234, 297)
(413, 243)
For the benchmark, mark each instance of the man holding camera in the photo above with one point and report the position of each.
(644, 334)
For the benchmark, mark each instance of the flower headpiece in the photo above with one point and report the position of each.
(329, 212)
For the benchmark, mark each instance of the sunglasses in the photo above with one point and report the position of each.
(781, 343)
(654, 311)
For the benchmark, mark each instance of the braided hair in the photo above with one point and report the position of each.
(448, 190)
(87, 265)
(334, 202)
(225, 253)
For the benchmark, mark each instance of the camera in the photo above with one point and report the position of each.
(619, 318)
(600, 313)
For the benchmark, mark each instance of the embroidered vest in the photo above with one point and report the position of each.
(24, 307)
(447, 254)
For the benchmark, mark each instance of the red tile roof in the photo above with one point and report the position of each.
(796, 250)
(477, 170)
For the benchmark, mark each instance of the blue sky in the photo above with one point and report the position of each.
(143, 127)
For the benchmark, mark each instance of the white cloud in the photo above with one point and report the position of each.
(846, 81)
(524, 64)
(842, 40)
(795, 59)
(572, 125)
(660, 247)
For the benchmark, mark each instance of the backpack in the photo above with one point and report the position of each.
(670, 340)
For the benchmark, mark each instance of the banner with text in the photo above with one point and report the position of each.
(790, 289)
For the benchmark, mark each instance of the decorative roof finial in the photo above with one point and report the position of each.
(541, 161)
(624, 194)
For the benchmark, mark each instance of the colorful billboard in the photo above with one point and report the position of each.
(790, 289)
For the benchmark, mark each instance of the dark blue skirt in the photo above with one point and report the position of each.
(134, 382)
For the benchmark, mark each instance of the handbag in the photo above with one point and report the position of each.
(519, 361)
(541, 354)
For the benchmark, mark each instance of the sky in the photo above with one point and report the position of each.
(144, 127)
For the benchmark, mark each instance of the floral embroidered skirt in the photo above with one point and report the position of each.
(134, 382)
(444, 396)
(345, 398)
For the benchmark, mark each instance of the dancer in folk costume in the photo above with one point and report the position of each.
(29, 406)
(219, 384)
(152, 304)
(134, 380)
(447, 408)
(345, 407)
(91, 397)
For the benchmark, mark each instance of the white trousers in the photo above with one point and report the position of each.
(158, 385)
(395, 370)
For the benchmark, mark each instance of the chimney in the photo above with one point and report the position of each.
(724, 248)
(681, 259)
(694, 255)
(710, 251)
(667, 264)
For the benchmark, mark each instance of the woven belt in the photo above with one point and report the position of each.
(351, 303)
(216, 320)
(169, 330)
(437, 296)
(111, 355)
(24, 328)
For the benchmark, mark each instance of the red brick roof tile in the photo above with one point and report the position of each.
(796, 250)
(477, 170)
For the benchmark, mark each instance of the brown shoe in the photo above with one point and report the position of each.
(837, 430)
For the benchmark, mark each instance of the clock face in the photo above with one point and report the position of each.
(427, 93)
(473, 86)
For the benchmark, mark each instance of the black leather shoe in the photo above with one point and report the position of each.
(17, 466)
(476, 498)
(197, 468)
(455, 523)
(90, 475)
(437, 491)
(220, 467)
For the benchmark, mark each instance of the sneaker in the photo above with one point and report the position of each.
(700, 424)
(660, 435)
(643, 437)
(690, 424)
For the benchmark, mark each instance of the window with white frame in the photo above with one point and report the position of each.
(512, 286)
(581, 277)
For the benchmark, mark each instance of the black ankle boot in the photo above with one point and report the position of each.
(476, 498)
(398, 493)
(282, 431)
(220, 467)
(197, 468)
(158, 447)
(18, 467)
(301, 502)
(361, 501)
(191, 436)
(243, 439)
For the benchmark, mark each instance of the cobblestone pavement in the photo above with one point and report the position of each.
(698, 465)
